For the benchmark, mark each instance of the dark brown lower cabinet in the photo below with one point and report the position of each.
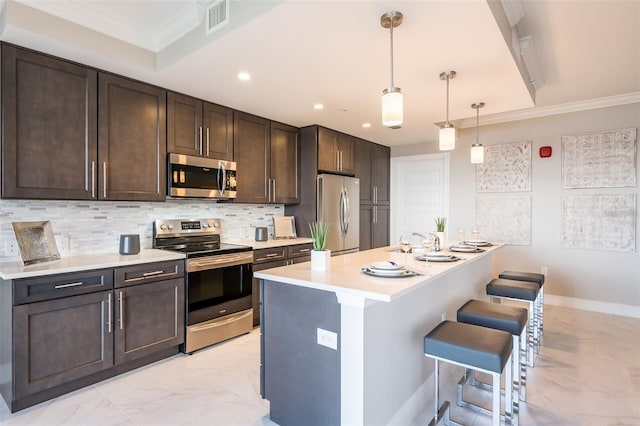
(85, 330)
(374, 226)
(61, 340)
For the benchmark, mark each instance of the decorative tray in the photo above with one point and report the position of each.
(36, 242)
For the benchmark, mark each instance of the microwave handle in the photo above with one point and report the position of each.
(222, 184)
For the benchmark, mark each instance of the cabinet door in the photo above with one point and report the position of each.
(58, 341)
(346, 149)
(131, 140)
(285, 164)
(380, 233)
(148, 318)
(366, 227)
(255, 288)
(380, 177)
(251, 152)
(218, 132)
(327, 150)
(364, 171)
(184, 124)
(49, 139)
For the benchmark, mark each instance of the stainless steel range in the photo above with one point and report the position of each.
(218, 294)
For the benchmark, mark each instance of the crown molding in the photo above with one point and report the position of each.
(536, 112)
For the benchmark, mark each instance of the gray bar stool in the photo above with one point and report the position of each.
(499, 317)
(532, 278)
(471, 346)
(521, 291)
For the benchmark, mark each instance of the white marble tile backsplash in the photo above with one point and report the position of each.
(95, 226)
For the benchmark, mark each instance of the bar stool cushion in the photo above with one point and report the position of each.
(470, 345)
(523, 276)
(499, 317)
(513, 289)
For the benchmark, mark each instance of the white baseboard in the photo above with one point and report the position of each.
(631, 311)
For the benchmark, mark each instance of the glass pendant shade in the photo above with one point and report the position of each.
(447, 138)
(391, 107)
(477, 153)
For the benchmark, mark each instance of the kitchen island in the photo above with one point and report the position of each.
(342, 347)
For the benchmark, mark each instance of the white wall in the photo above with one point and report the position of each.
(600, 276)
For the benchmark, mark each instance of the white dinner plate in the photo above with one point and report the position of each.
(386, 266)
(388, 274)
(438, 258)
(466, 249)
(477, 242)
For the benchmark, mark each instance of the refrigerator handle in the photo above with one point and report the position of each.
(342, 206)
(347, 211)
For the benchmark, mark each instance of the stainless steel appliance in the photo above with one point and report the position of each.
(218, 283)
(339, 205)
(197, 177)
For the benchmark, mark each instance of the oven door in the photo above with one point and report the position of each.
(218, 286)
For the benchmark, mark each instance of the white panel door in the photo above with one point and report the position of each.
(419, 193)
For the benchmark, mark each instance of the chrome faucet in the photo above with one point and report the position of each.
(436, 246)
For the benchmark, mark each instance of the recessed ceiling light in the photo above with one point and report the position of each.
(244, 76)
(366, 125)
(318, 106)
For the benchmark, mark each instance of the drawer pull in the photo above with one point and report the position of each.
(68, 285)
(273, 254)
(304, 250)
(151, 274)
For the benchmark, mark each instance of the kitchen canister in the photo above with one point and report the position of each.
(129, 244)
(262, 233)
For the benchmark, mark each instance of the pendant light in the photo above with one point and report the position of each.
(447, 132)
(477, 150)
(391, 96)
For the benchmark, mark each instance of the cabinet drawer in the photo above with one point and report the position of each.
(267, 255)
(300, 250)
(29, 290)
(148, 273)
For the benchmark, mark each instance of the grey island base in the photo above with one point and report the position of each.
(342, 347)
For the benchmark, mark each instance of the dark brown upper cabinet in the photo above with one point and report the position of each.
(372, 167)
(49, 131)
(336, 152)
(199, 128)
(132, 144)
(267, 157)
(72, 133)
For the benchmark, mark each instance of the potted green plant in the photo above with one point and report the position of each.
(320, 256)
(441, 222)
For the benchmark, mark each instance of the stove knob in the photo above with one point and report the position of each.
(170, 227)
(205, 225)
(163, 227)
(216, 224)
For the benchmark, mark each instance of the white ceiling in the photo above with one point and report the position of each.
(336, 53)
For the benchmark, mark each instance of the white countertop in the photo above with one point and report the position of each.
(15, 269)
(269, 243)
(346, 277)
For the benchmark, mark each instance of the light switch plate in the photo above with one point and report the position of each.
(328, 338)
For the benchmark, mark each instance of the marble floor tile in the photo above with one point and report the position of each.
(587, 373)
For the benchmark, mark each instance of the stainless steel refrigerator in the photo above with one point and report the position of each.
(339, 205)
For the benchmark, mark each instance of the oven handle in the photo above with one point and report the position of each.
(219, 261)
(215, 324)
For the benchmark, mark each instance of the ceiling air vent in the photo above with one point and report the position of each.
(217, 15)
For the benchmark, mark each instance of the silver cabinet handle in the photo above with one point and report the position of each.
(207, 152)
(121, 300)
(200, 141)
(68, 285)
(340, 160)
(104, 179)
(375, 214)
(109, 312)
(274, 190)
(93, 179)
(303, 250)
(150, 274)
(272, 254)
(268, 190)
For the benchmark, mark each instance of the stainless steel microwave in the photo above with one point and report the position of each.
(198, 177)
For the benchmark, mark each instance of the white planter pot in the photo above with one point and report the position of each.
(320, 260)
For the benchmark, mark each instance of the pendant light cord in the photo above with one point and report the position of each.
(447, 100)
(391, 38)
(478, 124)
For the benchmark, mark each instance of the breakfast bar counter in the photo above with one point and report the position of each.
(344, 347)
